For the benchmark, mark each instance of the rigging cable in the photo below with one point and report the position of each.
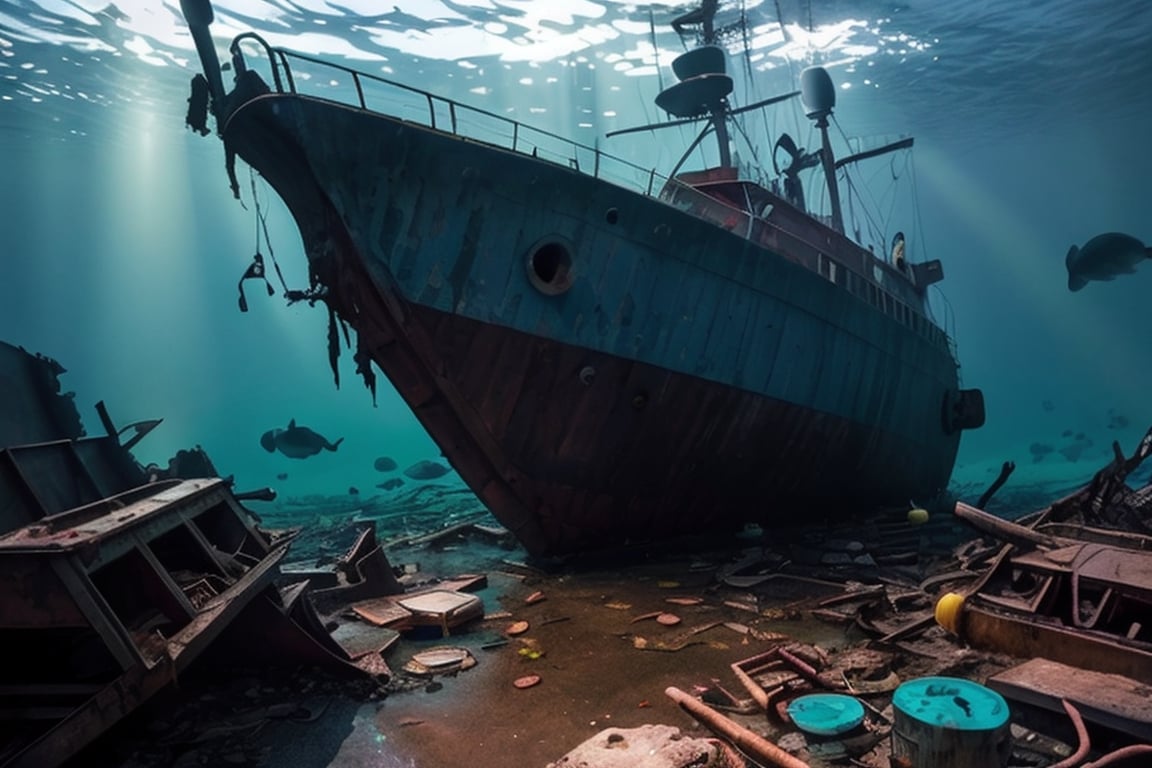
(262, 222)
(655, 49)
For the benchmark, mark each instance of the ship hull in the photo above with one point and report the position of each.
(679, 379)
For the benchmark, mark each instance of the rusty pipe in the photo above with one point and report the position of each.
(756, 746)
(759, 695)
(1085, 744)
(1120, 755)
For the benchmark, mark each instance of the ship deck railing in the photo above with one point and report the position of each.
(374, 93)
(310, 76)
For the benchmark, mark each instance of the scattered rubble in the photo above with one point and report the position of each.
(894, 642)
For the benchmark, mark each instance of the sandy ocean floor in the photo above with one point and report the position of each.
(593, 641)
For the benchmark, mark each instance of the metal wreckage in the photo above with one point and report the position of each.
(115, 578)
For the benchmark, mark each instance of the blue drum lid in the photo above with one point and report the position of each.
(951, 702)
(826, 714)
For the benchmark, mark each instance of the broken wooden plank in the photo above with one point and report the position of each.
(1008, 531)
(1110, 700)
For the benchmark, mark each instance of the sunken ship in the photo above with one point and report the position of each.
(603, 353)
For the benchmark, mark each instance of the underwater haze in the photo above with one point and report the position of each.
(122, 245)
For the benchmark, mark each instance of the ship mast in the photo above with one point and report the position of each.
(704, 83)
(819, 97)
(703, 88)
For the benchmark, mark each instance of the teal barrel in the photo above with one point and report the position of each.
(949, 722)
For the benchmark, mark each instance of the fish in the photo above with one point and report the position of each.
(282, 476)
(1039, 451)
(353, 490)
(390, 485)
(384, 464)
(426, 470)
(1103, 258)
(296, 442)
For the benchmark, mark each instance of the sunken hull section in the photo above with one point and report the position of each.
(598, 365)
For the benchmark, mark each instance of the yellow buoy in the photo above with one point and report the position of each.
(949, 609)
(918, 516)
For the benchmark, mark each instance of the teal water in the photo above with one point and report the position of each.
(121, 244)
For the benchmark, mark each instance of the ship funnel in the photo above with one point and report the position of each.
(817, 92)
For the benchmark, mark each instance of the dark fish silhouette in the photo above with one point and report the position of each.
(1039, 451)
(426, 470)
(353, 490)
(1117, 420)
(384, 464)
(282, 476)
(296, 442)
(1103, 258)
(1072, 452)
(392, 484)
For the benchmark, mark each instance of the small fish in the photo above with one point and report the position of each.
(426, 470)
(1039, 451)
(353, 490)
(390, 485)
(1072, 452)
(282, 476)
(384, 464)
(1103, 258)
(296, 442)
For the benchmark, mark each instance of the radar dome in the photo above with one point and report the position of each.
(817, 92)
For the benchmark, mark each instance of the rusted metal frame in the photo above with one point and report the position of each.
(94, 510)
(99, 614)
(170, 583)
(189, 518)
(217, 613)
(155, 524)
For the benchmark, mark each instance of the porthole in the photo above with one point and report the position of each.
(611, 216)
(550, 266)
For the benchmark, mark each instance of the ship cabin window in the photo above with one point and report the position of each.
(550, 267)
